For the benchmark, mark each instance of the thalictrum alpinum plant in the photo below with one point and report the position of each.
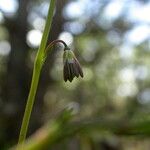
(72, 69)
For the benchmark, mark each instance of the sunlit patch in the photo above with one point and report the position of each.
(43, 8)
(34, 38)
(104, 22)
(4, 48)
(144, 96)
(39, 23)
(90, 48)
(73, 10)
(127, 86)
(138, 12)
(9, 6)
(127, 89)
(67, 37)
(138, 34)
(126, 51)
(1, 17)
(113, 10)
(113, 37)
(141, 72)
(74, 27)
(127, 75)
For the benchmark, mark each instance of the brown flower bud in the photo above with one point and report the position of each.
(72, 66)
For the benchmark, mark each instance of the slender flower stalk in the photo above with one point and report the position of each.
(72, 68)
(36, 73)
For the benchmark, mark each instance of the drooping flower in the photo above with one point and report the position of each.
(72, 67)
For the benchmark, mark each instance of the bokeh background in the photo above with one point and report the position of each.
(111, 39)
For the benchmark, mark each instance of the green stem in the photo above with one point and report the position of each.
(55, 42)
(29, 105)
(36, 74)
(47, 27)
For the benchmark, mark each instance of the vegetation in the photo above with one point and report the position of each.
(109, 108)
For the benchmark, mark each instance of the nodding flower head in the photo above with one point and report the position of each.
(72, 66)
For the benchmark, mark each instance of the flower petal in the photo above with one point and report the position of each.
(79, 67)
(71, 72)
(76, 72)
(65, 73)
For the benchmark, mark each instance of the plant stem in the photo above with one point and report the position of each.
(36, 74)
(29, 105)
(53, 43)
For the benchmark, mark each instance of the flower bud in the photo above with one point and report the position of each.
(72, 66)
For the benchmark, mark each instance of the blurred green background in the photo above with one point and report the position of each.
(111, 39)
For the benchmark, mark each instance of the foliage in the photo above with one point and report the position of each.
(112, 100)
